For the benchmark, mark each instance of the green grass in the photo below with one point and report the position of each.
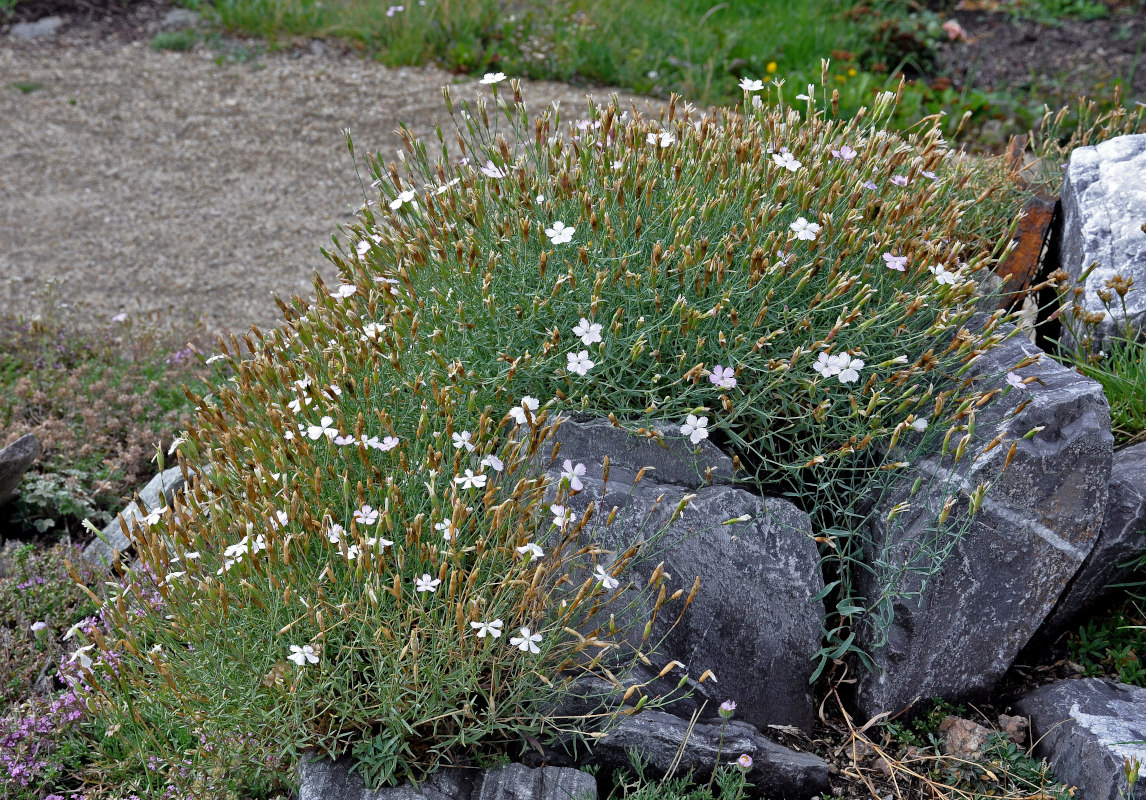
(1109, 644)
(26, 87)
(178, 41)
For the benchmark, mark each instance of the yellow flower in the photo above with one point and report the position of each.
(851, 72)
(771, 68)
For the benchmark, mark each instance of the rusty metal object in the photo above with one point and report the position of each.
(1021, 267)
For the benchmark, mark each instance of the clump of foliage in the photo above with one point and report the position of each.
(1108, 645)
(371, 507)
(100, 398)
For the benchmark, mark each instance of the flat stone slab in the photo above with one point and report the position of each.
(954, 634)
(15, 460)
(1088, 730)
(1103, 211)
(777, 771)
(323, 779)
(1121, 542)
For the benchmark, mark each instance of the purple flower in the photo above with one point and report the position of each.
(899, 180)
(727, 708)
(845, 153)
(897, 263)
(869, 185)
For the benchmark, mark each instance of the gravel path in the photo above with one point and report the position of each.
(142, 180)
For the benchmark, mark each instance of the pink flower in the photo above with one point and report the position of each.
(724, 377)
(954, 31)
(897, 263)
(899, 180)
(845, 153)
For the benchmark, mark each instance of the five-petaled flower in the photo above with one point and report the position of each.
(518, 413)
(897, 263)
(579, 363)
(402, 198)
(323, 428)
(750, 85)
(470, 481)
(899, 180)
(488, 628)
(724, 377)
(345, 290)
(493, 462)
(845, 153)
(589, 332)
(695, 428)
(366, 515)
(461, 440)
(561, 516)
(491, 78)
(526, 642)
(664, 139)
(849, 368)
(446, 527)
(786, 160)
(372, 330)
(804, 229)
(573, 473)
(1015, 379)
(827, 365)
(919, 424)
(426, 584)
(608, 581)
(302, 654)
(534, 551)
(491, 170)
(942, 275)
(560, 233)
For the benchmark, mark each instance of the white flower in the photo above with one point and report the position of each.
(322, 429)
(154, 517)
(827, 365)
(469, 480)
(526, 642)
(664, 139)
(259, 544)
(491, 628)
(178, 440)
(518, 413)
(579, 363)
(446, 526)
(372, 331)
(236, 551)
(942, 276)
(344, 291)
(334, 533)
(573, 474)
(493, 462)
(559, 233)
(750, 85)
(215, 358)
(849, 368)
(561, 516)
(82, 655)
(493, 171)
(786, 160)
(301, 655)
(388, 443)
(191, 556)
(463, 440)
(173, 575)
(695, 428)
(724, 377)
(352, 552)
(490, 78)
(804, 229)
(375, 541)
(607, 580)
(589, 332)
(1015, 380)
(532, 549)
(366, 515)
(919, 424)
(425, 584)
(402, 198)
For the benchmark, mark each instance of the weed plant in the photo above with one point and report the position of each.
(371, 561)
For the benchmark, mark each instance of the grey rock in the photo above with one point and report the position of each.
(1087, 730)
(955, 634)
(39, 29)
(180, 18)
(1103, 210)
(669, 459)
(317, 48)
(1121, 542)
(15, 460)
(159, 492)
(755, 621)
(324, 779)
(777, 771)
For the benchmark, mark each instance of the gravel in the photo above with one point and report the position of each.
(141, 181)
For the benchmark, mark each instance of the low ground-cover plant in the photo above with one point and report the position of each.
(100, 398)
(371, 561)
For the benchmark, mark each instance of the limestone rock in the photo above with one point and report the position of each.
(755, 621)
(1087, 730)
(15, 459)
(1103, 211)
(777, 771)
(40, 29)
(157, 493)
(954, 635)
(1121, 541)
